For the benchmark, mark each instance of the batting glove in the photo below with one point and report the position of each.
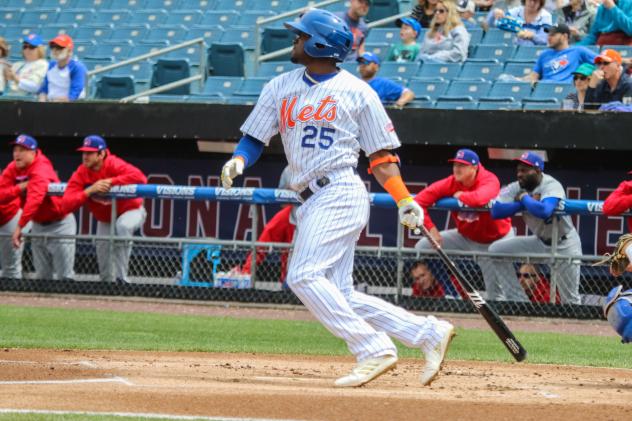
(231, 169)
(411, 214)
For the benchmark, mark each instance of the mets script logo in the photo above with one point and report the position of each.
(324, 110)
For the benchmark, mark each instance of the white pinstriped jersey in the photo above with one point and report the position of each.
(324, 126)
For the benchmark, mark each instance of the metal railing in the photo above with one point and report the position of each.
(201, 77)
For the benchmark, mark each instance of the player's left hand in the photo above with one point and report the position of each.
(411, 214)
(231, 169)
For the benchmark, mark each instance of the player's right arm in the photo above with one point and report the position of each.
(9, 191)
(75, 195)
(619, 200)
(505, 204)
(36, 192)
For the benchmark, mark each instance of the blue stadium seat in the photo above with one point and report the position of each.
(420, 103)
(496, 36)
(168, 98)
(464, 88)
(14, 33)
(624, 50)
(242, 35)
(540, 106)
(114, 16)
(141, 71)
(97, 63)
(75, 16)
(167, 71)
(242, 100)
(93, 4)
(162, 4)
(484, 104)
(185, 17)
(172, 33)
(226, 59)
(270, 69)
(277, 6)
(148, 47)
(238, 5)
(447, 71)
(518, 68)
(39, 16)
(476, 36)
(251, 87)
(514, 90)
(217, 17)
(475, 70)
(210, 33)
(380, 49)
(499, 52)
(134, 33)
(191, 53)
(391, 69)
(20, 4)
(207, 98)
(388, 35)
(62, 4)
(250, 17)
(96, 32)
(225, 85)
(449, 104)
(274, 39)
(48, 32)
(118, 49)
(15, 51)
(545, 90)
(197, 5)
(431, 89)
(127, 4)
(115, 87)
(350, 66)
(10, 16)
(528, 53)
(84, 47)
(382, 9)
(150, 17)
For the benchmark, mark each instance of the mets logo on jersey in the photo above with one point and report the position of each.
(323, 110)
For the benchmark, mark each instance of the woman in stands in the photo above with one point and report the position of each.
(447, 40)
(578, 16)
(424, 12)
(25, 77)
(534, 16)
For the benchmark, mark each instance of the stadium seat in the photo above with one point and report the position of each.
(350, 66)
(518, 68)
(75, 16)
(98, 32)
(185, 17)
(545, 90)
(167, 71)
(274, 39)
(242, 35)
(475, 70)
(161, 4)
(225, 85)
(150, 17)
(420, 103)
(225, 18)
(118, 49)
(624, 50)
(141, 71)
(388, 35)
(277, 6)
(94, 4)
(172, 33)
(381, 9)
(528, 53)
(495, 36)
(126, 4)
(476, 36)
(51, 31)
(97, 63)
(429, 89)
(447, 71)
(20, 4)
(237, 5)
(485, 104)
(148, 47)
(464, 88)
(226, 60)
(84, 47)
(252, 86)
(380, 49)
(10, 16)
(270, 69)
(450, 104)
(532, 105)
(242, 100)
(250, 17)
(499, 52)
(115, 87)
(197, 5)
(210, 33)
(14, 32)
(168, 98)
(39, 16)
(134, 33)
(391, 69)
(207, 98)
(115, 17)
(514, 90)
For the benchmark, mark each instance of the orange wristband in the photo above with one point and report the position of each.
(383, 160)
(396, 188)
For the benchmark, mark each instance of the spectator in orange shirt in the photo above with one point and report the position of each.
(536, 286)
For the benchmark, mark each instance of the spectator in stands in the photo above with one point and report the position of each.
(558, 63)
(26, 77)
(388, 91)
(98, 173)
(612, 24)
(52, 256)
(66, 77)
(424, 282)
(408, 48)
(608, 83)
(447, 40)
(10, 212)
(619, 201)
(580, 80)
(535, 19)
(423, 12)
(4, 63)
(466, 9)
(579, 16)
(535, 285)
(484, 5)
(354, 17)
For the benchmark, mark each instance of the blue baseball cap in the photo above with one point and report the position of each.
(25, 141)
(413, 23)
(367, 58)
(465, 156)
(93, 143)
(531, 159)
(33, 39)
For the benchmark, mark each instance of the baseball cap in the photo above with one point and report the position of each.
(25, 141)
(413, 23)
(62, 40)
(465, 156)
(93, 143)
(532, 159)
(585, 69)
(465, 6)
(33, 40)
(367, 58)
(560, 28)
(608, 56)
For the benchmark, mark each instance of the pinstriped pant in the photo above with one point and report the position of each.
(320, 274)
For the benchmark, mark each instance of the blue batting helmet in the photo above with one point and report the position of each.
(618, 311)
(329, 35)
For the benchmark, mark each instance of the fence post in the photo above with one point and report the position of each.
(253, 238)
(554, 271)
(111, 263)
(400, 261)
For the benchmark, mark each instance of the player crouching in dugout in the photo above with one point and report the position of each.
(537, 195)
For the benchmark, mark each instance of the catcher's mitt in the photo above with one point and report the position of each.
(618, 260)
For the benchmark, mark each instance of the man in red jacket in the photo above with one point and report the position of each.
(52, 256)
(10, 212)
(618, 202)
(473, 186)
(99, 171)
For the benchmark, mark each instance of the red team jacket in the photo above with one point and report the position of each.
(9, 201)
(121, 174)
(476, 226)
(36, 204)
(619, 201)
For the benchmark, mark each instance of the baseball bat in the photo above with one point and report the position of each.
(493, 319)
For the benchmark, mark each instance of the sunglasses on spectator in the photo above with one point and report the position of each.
(56, 47)
(526, 275)
(604, 63)
(28, 47)
(580, 77)
(440, 11)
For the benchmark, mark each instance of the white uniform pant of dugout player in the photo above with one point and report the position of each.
(452, 240)
(125, 226)
(54, 258)
(320, 274)
(567, 272)
(11, 257)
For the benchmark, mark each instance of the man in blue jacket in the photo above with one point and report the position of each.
(388, 91)
(66, 77)
(612, 25)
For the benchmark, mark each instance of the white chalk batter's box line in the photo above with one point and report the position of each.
(71, 363)
(115, 379)
(133, 414)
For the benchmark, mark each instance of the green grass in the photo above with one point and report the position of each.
(28, 327)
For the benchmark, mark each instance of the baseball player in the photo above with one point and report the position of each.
(537, 195)
(474, 186)
(10, 212)
(52, 257)
(616, 203)
(325, 116)
(99, 171)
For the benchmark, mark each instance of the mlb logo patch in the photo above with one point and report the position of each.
(460, 155)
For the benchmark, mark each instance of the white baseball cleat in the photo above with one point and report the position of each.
(434, 358)
(367, 370)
